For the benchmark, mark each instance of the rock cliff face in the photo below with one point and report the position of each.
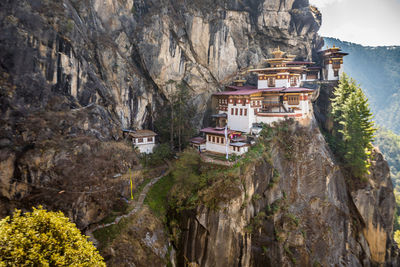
(311, 216)
(75, 72)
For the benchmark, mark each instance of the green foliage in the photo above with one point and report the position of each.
(354, 129)
(275, 178)
(396, 226)
(256, 197)
(157, 196)
(175, 124)
(160, 152)
(293, 219)
(376, 69)
(397, 237)
(41, 238)
(106, 235)
(198, 182)
(389, 144)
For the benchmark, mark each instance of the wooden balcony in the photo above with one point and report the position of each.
(270, 103)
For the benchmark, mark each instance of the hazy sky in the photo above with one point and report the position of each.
(366, 22)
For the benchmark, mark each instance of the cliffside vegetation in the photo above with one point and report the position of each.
(353, 130)
(176, 123)
(389, 143)
(376, 69)
(41, 238)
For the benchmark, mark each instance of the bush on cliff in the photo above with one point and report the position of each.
(41, 238)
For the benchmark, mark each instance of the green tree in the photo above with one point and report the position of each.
(341, 93)
(41, 238)
(358, 133)
(175, 123)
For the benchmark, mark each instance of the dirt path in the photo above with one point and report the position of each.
(138, 204)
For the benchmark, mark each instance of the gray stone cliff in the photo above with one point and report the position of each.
(74, 72)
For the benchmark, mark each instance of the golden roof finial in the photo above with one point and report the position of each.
(278, 53)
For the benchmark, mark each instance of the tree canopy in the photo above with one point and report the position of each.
(41, 238)
(353, 129)
(175, 124)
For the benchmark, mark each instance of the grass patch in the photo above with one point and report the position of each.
(156, 198)
(106, 235)
(110, 218)
(139, 189)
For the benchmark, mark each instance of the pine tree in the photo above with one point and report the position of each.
(175, 124)
(341, 93)
(354, 130)
(357, 133)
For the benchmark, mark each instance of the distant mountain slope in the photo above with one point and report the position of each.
(377, 69)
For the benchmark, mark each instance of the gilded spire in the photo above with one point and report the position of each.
(278, 53)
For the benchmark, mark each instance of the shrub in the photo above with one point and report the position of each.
(41, 238)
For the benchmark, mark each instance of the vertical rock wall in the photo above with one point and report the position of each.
(312, 216)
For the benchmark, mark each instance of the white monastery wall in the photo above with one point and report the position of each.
(219, 148)
(281, 83)
(146, 148)
(240, 122)
(262, 84)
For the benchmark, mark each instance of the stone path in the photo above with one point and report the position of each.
(138, 205)
(208, 159)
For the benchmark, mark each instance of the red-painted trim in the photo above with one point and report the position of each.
(279, 115)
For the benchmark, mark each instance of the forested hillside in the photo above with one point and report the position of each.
(389, 143)
(377, 71)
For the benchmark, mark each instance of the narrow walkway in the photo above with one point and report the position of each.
(138, 205)
(204, 157)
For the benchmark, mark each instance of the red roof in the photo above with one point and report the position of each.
(314, 68)
(239, 92)
(272, 89)
(296, 89)
(245, 87)
(253, 91)
(218, 131)
(300, 63)
(198, 140)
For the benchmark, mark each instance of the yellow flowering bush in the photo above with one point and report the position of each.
(42, 238)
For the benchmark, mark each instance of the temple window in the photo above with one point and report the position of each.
(232, 111)
(245, 111)
(293, 100)
(271, 82)
(213, 139)
(140, 140)
(149, 139)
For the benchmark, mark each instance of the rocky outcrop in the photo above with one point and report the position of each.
(311, 216)
(142, 242)
(123, 55)
(74, 72)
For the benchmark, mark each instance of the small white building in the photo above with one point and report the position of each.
(332, 63)
(198, 143)
(217, 142)
(144, 140)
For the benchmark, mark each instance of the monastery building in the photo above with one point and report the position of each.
(279, 95)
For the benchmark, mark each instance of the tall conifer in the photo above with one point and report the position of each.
(354, 129)
(346, 87)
